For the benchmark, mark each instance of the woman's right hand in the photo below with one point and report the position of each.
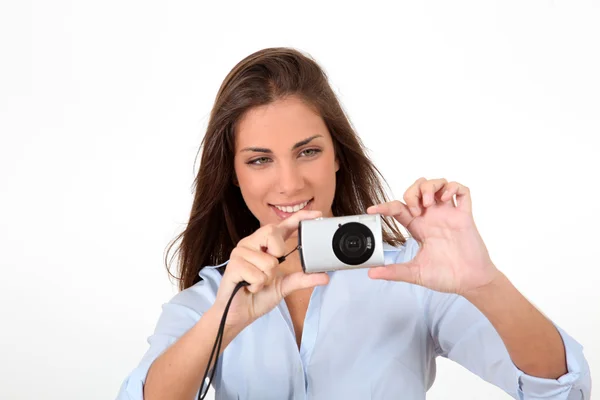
(254, 260)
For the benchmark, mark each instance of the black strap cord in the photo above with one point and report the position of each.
(219, 340)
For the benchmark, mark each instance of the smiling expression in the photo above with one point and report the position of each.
(285, 161)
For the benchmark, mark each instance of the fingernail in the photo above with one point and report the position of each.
(414, 211)
(427, 199)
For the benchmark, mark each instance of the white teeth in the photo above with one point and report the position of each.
(290, 209)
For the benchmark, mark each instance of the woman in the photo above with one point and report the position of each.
(279, 149)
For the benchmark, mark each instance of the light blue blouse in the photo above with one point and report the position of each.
(362, 339)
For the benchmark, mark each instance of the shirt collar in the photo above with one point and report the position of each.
(217, 266)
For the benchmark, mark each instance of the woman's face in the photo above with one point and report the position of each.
(284, 161)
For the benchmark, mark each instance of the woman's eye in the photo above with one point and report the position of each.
(311, 152)
(259, 161)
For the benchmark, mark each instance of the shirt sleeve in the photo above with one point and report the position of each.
(462, 333)
(177, 317)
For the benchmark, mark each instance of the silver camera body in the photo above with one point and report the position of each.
(331, 244)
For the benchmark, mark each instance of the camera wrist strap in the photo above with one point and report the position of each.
(219, 339)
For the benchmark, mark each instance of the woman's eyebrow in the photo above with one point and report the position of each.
(269, 151)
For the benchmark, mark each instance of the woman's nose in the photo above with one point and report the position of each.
(290, 179)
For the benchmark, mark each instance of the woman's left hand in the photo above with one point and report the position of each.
(452, 256)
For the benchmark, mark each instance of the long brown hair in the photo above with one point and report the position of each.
(219, 217)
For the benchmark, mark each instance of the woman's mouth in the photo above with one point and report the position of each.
(285, 211)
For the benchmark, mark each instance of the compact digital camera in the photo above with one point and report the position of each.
(330, 244)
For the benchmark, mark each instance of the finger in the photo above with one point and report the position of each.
(261, 260)
(430, 189)
(246, 271)
(271, 238)
(405, 272)
(299, 280)
(266, 239)
(290, 225)
(463, 195)
(395, 209)
(463, 198)
(449, 192)
(412, 197)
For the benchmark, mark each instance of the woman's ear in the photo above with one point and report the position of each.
(337, 165)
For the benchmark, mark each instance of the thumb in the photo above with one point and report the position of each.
(404, 272)
(300, 280)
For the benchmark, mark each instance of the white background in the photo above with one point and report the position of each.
(103, 106)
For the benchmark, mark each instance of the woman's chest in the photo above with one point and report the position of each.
(297, 307)
(349, 339)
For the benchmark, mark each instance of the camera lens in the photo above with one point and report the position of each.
(353, 243)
